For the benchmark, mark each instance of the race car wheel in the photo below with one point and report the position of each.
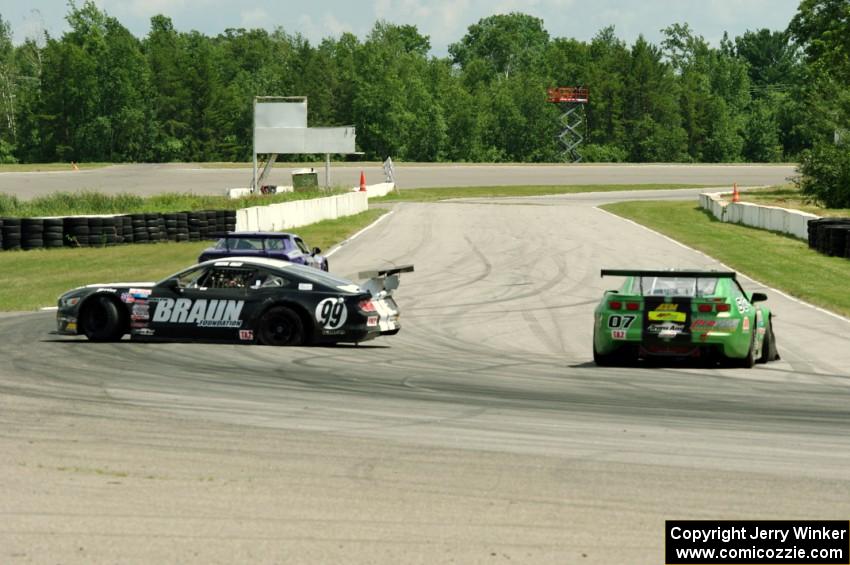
(768, 347)
(280, 326)
(102, 320)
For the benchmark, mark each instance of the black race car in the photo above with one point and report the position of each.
(247, 299)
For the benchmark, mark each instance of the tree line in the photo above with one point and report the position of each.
(98, 93)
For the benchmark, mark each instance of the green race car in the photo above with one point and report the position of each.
(701, 314)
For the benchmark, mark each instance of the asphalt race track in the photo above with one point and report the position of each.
(178, 177)
(482, 433)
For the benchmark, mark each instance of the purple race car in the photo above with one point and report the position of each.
(274, 245)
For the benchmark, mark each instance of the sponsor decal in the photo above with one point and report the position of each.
(745, 325)
(305, 286)
(144, 331)
(727, 324)
(246, 335)
(331, 313)
(618, 321)
(666, 330)
(618, 334)
(670, 307)
(139, 292)
(71, 326)
(664, 316)
(714, 327)
(701, 324)
(125, 297)
(140, 311)
(372, 321)
(139, 324)
(202, 312)
(743, 305)
(107, 290)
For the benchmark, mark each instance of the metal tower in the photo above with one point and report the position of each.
(571, 101)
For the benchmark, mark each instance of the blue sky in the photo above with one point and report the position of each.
(445, 21)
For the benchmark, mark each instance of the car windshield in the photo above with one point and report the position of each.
(674, 286)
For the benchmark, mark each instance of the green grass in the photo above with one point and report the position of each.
(435, 194)
(780, 261)
(32, 279)
(45, 167)
(93, 202)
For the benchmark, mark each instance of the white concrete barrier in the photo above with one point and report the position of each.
(773, 218)
(287, 215)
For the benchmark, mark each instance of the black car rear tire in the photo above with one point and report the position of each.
(102, 320)
(768, 347)
(280, 326)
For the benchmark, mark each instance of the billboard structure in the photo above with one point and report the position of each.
(280, 127)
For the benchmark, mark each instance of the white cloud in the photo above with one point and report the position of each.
(254, 18)
(334, 26)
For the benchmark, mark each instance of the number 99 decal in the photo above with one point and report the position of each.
(331, 313)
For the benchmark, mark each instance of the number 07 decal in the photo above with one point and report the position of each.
(331, 313)
(617, 321)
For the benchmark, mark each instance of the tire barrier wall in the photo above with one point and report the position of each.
(100, 231)
(830, 236)
(297, 213)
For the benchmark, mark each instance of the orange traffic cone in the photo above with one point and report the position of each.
(362, 181)
(736, 196)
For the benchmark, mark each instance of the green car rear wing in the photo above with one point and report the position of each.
(683, 274)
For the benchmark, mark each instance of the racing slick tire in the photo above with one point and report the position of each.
(102, 321)
(280, 326)
(768, 348)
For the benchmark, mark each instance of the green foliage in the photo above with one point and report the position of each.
(97, 93)
(823, 28)
(504, 42)
(593, 153)
(825, 174)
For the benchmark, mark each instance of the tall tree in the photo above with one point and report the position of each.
(506, 43)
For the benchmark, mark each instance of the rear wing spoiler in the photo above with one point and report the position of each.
(685, 274)
(383, 280)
